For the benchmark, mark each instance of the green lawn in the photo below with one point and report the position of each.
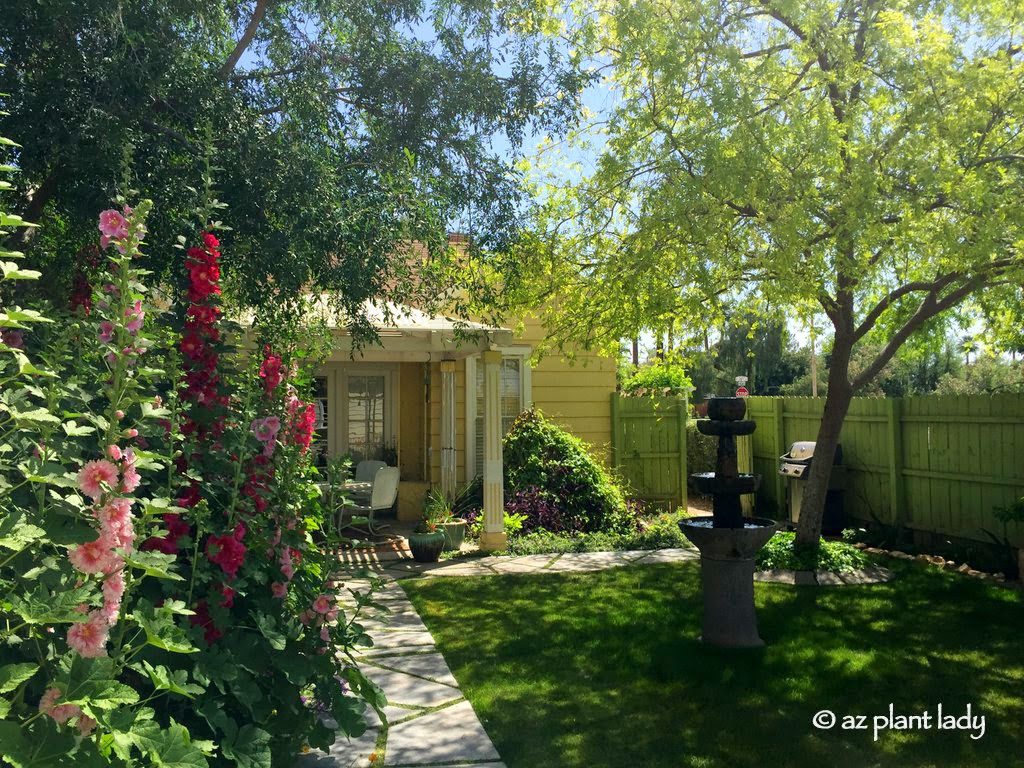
(603, 669)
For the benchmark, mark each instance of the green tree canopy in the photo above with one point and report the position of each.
(337, 130)
(865, 156)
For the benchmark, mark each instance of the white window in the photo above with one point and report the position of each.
(514, 395)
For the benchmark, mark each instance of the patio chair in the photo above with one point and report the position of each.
(366, 471)
(382, 496)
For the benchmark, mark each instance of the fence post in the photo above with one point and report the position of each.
(616, 436)
(681, 416)
(895, 439)
(779, 425)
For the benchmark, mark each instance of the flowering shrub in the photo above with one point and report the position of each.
(161, 602)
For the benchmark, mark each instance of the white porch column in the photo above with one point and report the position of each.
(493, 535)
(448, 456)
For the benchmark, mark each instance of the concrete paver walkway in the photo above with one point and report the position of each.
(430, 722)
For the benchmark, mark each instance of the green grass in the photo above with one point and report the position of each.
(603, 669)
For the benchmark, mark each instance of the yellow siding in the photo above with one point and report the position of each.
(575, 395)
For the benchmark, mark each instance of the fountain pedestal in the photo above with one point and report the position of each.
(727, 579)
(728, 542)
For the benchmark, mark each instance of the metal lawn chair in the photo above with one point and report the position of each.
(382, 496)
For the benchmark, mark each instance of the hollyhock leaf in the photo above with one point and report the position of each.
(73, 429)
(16, 534)
(173, 748)
(92, 683)
(49, 473)
(268, 628)
(35, 416)
(5, 707)
(163, 679)
(41, 744)
(155, 564)
(43, 607)
(249, 749)
(161, 630)
(13, 675)
(366, 688)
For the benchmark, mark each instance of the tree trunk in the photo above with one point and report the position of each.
(837, 403)
(636, 351)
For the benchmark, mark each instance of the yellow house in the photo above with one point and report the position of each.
(437, 395)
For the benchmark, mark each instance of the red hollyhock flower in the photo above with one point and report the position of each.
(202, 618)
(226, 551)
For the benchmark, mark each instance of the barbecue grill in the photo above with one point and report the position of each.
(795, 465)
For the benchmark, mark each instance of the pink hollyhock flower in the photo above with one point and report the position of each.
(113, 591)
(331, 615)
(106, 334)
(116, 522)
(114, 452)
(227, 596)
(286, 564)
(49, 700)
(85, 725)
(325, 634)
(266, 429)
(323, 604)
(113, 587)
(104, 241)
(305, 617)
(95, 556)
(89, 638)
(94, 475)
(279, 589)
(113, 224)
(135, 315)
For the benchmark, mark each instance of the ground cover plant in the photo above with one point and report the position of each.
(659, 532)
(603, 669)
(836, 556)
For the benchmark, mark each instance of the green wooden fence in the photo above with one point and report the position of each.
(649, 447)
(938, 464)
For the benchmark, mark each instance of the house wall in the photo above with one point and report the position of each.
(575, 395)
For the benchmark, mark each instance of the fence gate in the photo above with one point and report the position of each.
(649, 447)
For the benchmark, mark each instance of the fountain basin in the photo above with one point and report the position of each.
(726, 408)
(708, 483)
(723, 428)
(728, 543)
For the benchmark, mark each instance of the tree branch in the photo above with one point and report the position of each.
(929, 307)
(243, 42)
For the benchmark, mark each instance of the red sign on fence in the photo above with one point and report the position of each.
(742, 392)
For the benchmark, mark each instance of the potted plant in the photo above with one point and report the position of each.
(442, 512)
(428, 538)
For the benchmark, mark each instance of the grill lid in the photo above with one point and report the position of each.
(801, 450)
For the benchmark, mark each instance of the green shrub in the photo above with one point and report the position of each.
(542, 456)
(660, 377)
(836, 556)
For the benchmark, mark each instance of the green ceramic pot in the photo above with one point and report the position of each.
(426, 547)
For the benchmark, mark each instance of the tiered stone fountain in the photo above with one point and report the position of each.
(727, 541)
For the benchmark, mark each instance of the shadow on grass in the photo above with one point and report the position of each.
(603, 669)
